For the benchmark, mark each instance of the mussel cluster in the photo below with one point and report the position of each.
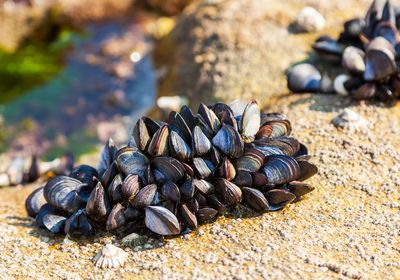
(368, 50)
(173, 176)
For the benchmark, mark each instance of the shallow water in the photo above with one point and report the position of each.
(62, 113)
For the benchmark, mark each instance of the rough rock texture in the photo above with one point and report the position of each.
(222, 50)
(349, 227)
(21, 20)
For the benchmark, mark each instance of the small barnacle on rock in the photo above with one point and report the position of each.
(110, 256)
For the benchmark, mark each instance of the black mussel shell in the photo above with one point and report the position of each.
(62, 192)
(98, 206)
(304, 78)
(278, 199)
(116, 219)
(167, 169)
(255, 199)
(54, 223)
(229, 141)
(107, 157)
(281, 169)
(78, 225)
(161, 221)
(207, 214)
(34, 202)
(299, 188)
(188, 216)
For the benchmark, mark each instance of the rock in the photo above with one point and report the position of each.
(350, 119)
(233, 50)
(166, 7)
(310, 20)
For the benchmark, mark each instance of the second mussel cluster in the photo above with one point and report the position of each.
(173, 176)
(369, 52)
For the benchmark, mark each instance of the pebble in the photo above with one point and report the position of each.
(310, 20)
(351, 120)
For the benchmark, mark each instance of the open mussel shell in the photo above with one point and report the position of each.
(255, 199)
(145, 196)
(116, 219)
(188, 216)
(78, 225)
(54, 223)
(200, 143)
(304, 78)
(379, 60)
(281, 169)
(279, 198)
(167, 169)
(62, 192)
(34, 202)
(98, 206)
(179, 148)
(107, 157)
(250, 121)
(231, 193)
(131, 161)
(161, 221)
(353, 60)
(299, 188)
(228, 141)
(209, 117)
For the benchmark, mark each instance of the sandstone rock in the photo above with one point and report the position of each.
(236, 49)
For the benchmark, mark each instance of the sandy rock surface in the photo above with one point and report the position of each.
(349, 227)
